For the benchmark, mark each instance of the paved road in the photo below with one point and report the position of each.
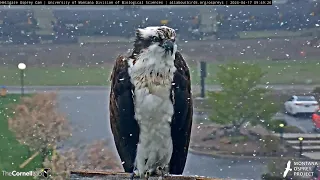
(225, 168)
(87, 111)
(303, 122)
(195, 88)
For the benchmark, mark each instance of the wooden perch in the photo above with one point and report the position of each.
(126, 176)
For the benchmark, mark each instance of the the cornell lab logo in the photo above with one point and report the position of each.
(46, 172)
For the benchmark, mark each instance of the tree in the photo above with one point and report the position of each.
(316, 31)
(92, 157)
(240, 100)
(37, 123)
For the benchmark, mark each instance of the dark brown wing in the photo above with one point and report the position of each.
(124, 127)
(182, 118)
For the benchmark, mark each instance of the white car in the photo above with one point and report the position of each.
(301, 104)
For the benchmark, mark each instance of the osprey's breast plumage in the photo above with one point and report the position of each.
(152, 78)
(151, 73)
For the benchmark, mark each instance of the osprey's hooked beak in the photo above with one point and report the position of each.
(168, 46)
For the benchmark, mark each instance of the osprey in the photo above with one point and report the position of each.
(151, 105)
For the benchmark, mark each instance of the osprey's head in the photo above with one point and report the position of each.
(159, 40)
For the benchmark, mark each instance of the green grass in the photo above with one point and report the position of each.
(281, 72)
(265, 34)
(12, 153)
(56, 76)
(270, 34)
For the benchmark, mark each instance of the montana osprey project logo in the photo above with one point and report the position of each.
(287, 169)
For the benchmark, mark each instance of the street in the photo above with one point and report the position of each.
(303, 122)
(87, 110)
(194, 88)
(88, 113)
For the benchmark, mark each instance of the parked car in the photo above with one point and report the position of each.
(316, 120)
(301, 104)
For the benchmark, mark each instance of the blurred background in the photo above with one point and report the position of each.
(71, 50)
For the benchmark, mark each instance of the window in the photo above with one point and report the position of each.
(305, 98)
(291, 99)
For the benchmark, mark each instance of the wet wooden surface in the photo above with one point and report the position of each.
(100, 175)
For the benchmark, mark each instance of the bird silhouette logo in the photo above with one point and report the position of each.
(286, 171)
(46, 172)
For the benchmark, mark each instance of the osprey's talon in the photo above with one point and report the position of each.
(161, 171)
(147, 175)
(132, 175)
